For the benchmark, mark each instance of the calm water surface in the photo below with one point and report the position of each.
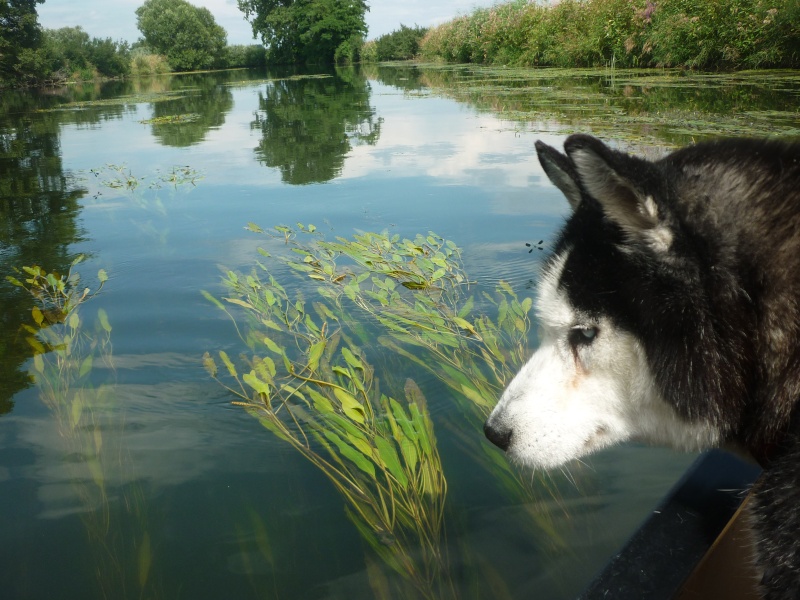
(198, 499)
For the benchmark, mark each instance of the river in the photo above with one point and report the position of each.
(127, 471)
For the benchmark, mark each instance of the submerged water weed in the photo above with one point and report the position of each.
(418, 293)
(65, 354)
(309, 382)
(311, 386)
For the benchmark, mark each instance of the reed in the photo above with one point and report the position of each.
(710, 34)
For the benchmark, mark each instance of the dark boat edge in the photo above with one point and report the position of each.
(694, 545)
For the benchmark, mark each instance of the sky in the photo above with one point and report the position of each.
(117, 19)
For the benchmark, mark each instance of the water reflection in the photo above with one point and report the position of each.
(38, 222)
(228, 508)
(640, 106)
(310, 123)
(207, 107)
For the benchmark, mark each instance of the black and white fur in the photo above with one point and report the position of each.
(670, 313)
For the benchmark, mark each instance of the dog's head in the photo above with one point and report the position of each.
(629, 348)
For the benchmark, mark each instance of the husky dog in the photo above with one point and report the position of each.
(670, 314)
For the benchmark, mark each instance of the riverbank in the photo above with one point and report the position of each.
(701, 34)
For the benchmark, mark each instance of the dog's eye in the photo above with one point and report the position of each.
(582, 336)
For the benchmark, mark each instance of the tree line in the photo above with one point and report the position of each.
(176, 35)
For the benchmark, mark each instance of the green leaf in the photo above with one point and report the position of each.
(77, 409)
(211, 299)
(145, 559)
(261, 387)
(241, 303)
(467, 308)
(86, 366)
(409, 451)
(360, 443)
(350, 406)
(403, 420)
(351, 454)
(38, 363)
(272, 346)
(228, 364)
(526, 305)
(321, 403)
(314, 354)
(391, 461)
(464, 324)
(475, 396)
(351, 359)
(102, 316)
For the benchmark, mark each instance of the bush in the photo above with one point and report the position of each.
(401, 44)
(69, 52)
(253, 56)
(628, 33)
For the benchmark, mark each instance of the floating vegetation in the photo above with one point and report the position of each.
(171, 119)
(646, 106)
(145, 98)
(310, 381)
(254, 82)
(65, 354)
(120, 177)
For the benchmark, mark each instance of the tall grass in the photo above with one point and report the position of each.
(705, 34)
(144, 64)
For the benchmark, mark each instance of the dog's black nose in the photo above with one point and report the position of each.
(499, 437)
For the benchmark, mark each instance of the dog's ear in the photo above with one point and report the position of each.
(560, 170)
(614, 180)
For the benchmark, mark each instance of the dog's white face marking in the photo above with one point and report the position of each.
(588, 386)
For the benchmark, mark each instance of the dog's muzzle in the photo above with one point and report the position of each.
(499, 437)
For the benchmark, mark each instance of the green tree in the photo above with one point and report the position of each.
(306, 31)
(188, 36)
(20, 36)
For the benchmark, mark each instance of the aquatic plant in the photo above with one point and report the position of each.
(309, 381)
(171, 119)
(120, 177)
(650, 108)
(314, 389)
(65, 354)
